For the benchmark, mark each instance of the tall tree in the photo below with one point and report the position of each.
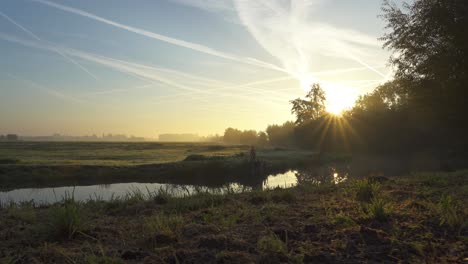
(311, 108)
(429, 39)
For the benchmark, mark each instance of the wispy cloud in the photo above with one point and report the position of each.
(286, 30)
(160, 37)
(30, 33)
(148, 73)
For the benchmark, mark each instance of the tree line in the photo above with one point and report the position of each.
(423, 107)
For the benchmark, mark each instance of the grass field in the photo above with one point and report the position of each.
(107, 153)
(51, 164)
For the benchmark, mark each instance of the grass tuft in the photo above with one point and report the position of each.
(378, 209)
(366, 190)
(450, 214)
(271, 244)
(67, 218)
(165, 224)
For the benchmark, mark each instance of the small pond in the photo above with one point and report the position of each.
(109, 191)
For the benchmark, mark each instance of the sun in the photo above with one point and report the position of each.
(336, 109)
(338, 97)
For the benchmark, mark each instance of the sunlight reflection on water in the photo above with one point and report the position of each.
(111, 191)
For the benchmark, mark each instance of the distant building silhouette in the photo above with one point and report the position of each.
(12, 137)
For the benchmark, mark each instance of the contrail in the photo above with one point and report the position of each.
(121, 66)
(56, 49)
(174, 41)
(364, 64)
(145, 86)
(245, 85)
(284, 29)
(18, 25)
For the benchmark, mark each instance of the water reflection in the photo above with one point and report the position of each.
(107, 192)
(283, 180)
(323, 175)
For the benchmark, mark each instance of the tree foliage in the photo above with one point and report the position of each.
(422, 108)
(311, 108)
(430, 44)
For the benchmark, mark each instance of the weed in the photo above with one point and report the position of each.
(165, 224)
(222, 220)
(366, 190)
(378, 209)
(271, 211)
(67, 218)
(343, 220)
(417, 247)
(450, 214)
(135, 195)
(271, 244)
(194, 202)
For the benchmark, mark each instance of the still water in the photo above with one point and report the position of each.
(110, 191)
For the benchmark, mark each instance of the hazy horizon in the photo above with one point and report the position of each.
(180, 66)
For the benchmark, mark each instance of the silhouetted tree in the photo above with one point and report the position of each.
(430, 45)
(312, 107)
(281, 135)
(248, 137)
(232, 136)
(262, 139)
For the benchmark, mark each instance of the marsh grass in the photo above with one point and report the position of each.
(342, 220)
(378, 209)
(450, 214)
(271, 243)
(67, 218)
(167, 224)
(366, 190)
(222, 220)
(194, 202)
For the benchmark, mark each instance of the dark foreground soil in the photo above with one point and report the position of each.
(413, 219)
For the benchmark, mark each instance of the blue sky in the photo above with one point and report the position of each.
(170, 66)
